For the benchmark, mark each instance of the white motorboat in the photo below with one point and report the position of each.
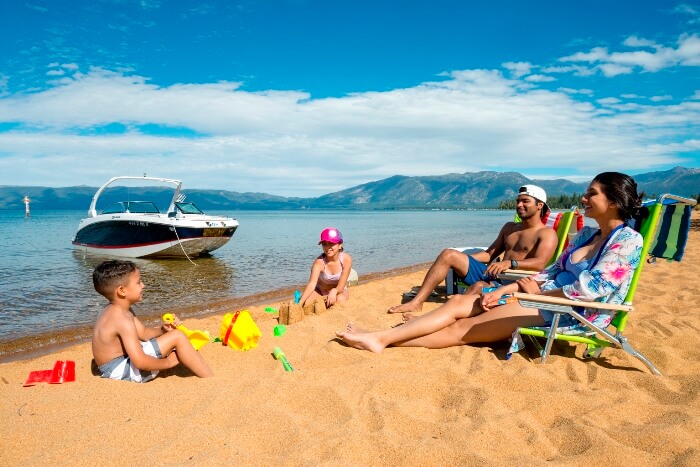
(138, 229)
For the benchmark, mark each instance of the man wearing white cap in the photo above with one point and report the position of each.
(528, 244)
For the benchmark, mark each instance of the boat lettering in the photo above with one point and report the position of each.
(138, 223)
(213, 232)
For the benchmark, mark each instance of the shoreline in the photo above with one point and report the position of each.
(38, 345)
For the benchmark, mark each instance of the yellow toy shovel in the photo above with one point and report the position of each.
(197, 338)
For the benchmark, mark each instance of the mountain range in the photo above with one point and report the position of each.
(450, 191)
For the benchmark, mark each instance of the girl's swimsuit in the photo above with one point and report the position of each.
(329, 280)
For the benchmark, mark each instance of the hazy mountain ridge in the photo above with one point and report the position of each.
(467, 190)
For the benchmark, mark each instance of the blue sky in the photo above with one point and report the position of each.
(303, 98)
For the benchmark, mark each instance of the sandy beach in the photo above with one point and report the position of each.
(340, 406)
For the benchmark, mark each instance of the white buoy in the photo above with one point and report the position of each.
(26, 206)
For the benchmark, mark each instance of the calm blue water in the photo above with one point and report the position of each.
(46, 287)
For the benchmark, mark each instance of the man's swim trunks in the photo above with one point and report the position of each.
(122, 369)
(477, 272)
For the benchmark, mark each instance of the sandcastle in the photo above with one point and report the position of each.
(290, 312)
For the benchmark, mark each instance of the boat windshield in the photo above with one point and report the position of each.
(139, 207)
(188, 208)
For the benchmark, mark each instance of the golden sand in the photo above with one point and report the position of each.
(340, 406)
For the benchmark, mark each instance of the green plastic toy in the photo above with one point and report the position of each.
(279, 355)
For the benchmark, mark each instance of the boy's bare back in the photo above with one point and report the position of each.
(106, 340)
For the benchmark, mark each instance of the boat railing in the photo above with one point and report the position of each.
(92, 211)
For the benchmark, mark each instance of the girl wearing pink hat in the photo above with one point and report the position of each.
(330, 271)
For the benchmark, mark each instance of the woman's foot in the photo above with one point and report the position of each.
(408, 317)
(360, 339)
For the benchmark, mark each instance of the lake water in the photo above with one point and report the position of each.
(47, 297)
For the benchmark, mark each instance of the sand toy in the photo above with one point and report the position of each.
(239, 331)
(197, 338)
(279, 355)
(62, 372)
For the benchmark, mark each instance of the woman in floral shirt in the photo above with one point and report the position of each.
(597, 266)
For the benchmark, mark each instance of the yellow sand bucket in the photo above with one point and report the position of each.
(197, 338)
(239, 331)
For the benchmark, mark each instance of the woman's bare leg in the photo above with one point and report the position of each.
(476, 287)
(495, 325)
(457, 307)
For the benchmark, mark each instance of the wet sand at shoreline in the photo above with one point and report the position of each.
(407, 406)
(41, 344)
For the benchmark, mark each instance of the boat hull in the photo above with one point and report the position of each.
(138, 237)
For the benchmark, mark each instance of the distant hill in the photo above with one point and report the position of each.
(471, 189)
(467, 190)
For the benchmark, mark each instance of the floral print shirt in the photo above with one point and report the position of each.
(608, 280)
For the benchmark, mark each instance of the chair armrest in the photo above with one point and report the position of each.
(515, 274)
(568, 302)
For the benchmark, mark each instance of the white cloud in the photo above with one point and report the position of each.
(613, 69)
(284, 142)
(689, 51)
(539, 78)
(634, 41)
(518, 69)
(691, 11)
(612, 64)
(596, 54)
(585, 92)
(149, 4)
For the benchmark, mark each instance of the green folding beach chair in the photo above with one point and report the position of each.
(664, 228)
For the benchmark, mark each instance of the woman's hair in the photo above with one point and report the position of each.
(621, 189)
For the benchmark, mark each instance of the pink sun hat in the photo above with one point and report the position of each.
(332, 235)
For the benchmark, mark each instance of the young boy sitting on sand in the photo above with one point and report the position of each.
(124, 349)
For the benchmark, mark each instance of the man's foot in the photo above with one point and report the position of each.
(360, 340)
(408, 307)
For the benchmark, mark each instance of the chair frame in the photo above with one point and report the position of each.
(562, 306)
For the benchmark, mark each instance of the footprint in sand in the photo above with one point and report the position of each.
(664, 330)
(569, 437)
(592, 373)
(685, 323)
(373, 418)
(571, 373)
(451, 404)
(662, 392)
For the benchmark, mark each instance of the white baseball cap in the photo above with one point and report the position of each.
(536, 192)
